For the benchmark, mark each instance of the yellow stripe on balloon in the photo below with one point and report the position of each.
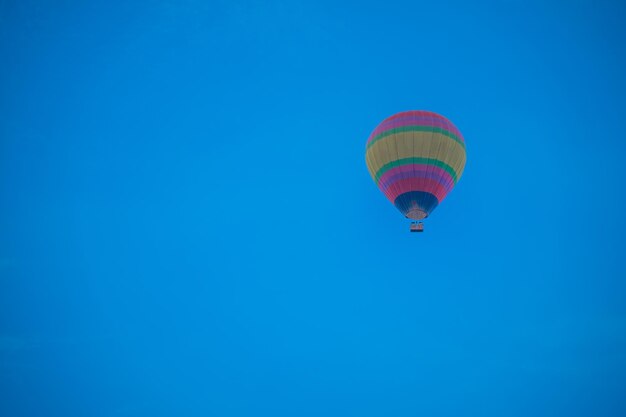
(429, 145)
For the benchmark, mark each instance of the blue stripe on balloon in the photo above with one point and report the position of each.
(412, 199)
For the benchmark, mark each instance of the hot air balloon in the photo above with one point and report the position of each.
(415, 158)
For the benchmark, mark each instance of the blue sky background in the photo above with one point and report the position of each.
(188, 227)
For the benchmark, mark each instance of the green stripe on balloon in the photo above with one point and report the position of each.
(407, 161)
(414, 129)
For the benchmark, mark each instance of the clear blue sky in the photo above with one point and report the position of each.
(188, 227)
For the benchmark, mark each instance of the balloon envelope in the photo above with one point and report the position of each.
(415, 158)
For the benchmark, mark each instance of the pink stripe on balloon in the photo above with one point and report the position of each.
(409, 169)
(390, 181)
(417, 184)
(411, 121)
(416, 118)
